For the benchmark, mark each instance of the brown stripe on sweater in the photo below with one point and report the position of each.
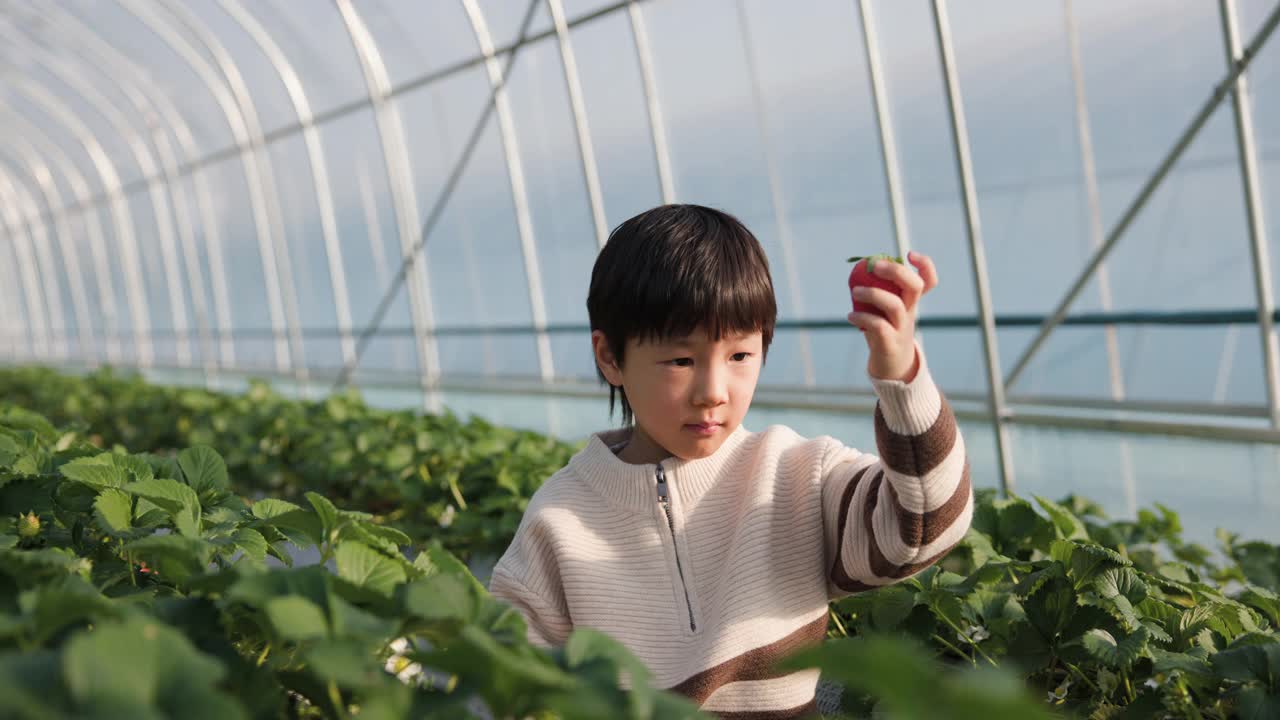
(754, 664)
(920, 529)
(916, 455)
(839, 577)
(880, 565)
(806, 710)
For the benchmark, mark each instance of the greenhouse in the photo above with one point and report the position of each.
(296, 326)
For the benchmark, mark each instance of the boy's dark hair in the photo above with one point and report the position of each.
(676, 268)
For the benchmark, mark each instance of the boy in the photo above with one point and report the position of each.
(708, 550)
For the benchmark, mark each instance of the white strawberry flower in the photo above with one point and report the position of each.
(446, 517)
(405, 670)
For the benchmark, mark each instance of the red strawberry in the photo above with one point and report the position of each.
(862, 275)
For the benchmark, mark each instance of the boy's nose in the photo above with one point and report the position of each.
(711, 390)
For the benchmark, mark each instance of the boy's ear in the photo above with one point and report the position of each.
(605, 359)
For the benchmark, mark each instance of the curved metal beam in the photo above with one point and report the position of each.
(104, 280)
(150, 101)
(586, 151)
(661, 152)
(50, 286)
(780, 211)
(319, 168)
(120, 213)
(399, 174)
(519, 195)
(75, 79)
(239, 114)
(884, 122)
(38, 320)
(36, 168)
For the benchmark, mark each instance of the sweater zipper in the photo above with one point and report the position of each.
(665, 500)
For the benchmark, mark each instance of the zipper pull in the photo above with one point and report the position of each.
(662, 486)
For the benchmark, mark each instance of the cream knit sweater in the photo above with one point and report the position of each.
(736, 568)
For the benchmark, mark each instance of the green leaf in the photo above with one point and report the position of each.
(98, 472)
(1102, 647)
(1257, 704)
(268, 508)
(1068, 525)
(142, 668)
(1115, 591)
(1264, 601)
(175, 498)
(252, 543)
(175, 557)
(441, 597)
(366, 567)
(1251, 663)
(329, 515)
(114, 511)
(204, 469)
(890, 606)
(296, 618)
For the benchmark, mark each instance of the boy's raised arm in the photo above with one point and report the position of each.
(891, 516)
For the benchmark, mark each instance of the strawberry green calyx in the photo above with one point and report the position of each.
(28, 526)
(872, 259)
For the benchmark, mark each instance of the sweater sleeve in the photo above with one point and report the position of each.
(525, 578)
(889, 517)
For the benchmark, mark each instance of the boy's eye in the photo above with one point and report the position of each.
(742, 356)
(681, 362)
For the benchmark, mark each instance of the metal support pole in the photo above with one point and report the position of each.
(150, 102)
(1220, 91)
(395, 154)
(43, 258)
(884, 123)
(1253, 203)
(235, 109)
(777, 201)
(36, 168)
(519, 196)
(319, 168)
(75, 79)
(964, 168)
(586, 152)
(1090, 176)
(37, 319)
(45, 149)
(662, 154)
(121, 215)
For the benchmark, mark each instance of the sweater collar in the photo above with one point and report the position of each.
(633, 486)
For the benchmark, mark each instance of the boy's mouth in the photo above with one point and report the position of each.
(703, 428)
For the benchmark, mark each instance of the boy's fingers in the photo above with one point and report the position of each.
(928, 273)
(901, 275)
(878, 329)
(891, 305)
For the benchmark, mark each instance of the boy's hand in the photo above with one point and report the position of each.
(892, 338)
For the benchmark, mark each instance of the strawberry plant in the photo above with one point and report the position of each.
(214, 630)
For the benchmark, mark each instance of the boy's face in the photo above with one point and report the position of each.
(687, 394)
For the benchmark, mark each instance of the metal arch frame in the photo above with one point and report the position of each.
(38, 325)
(11, 302)
(586, 151)
(1220, 91)
(1088, 168)
(315, 156)
(160, 208)
(233, 111)
(226, 65)
(884, 124)
(104, 279)
(124, 67)
(120, 212)
(1254, 209)
(36, 168)
(785, 240)
(977, 254)
(519, 193)
(395, 155)
(38, 234)
(657, 128)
